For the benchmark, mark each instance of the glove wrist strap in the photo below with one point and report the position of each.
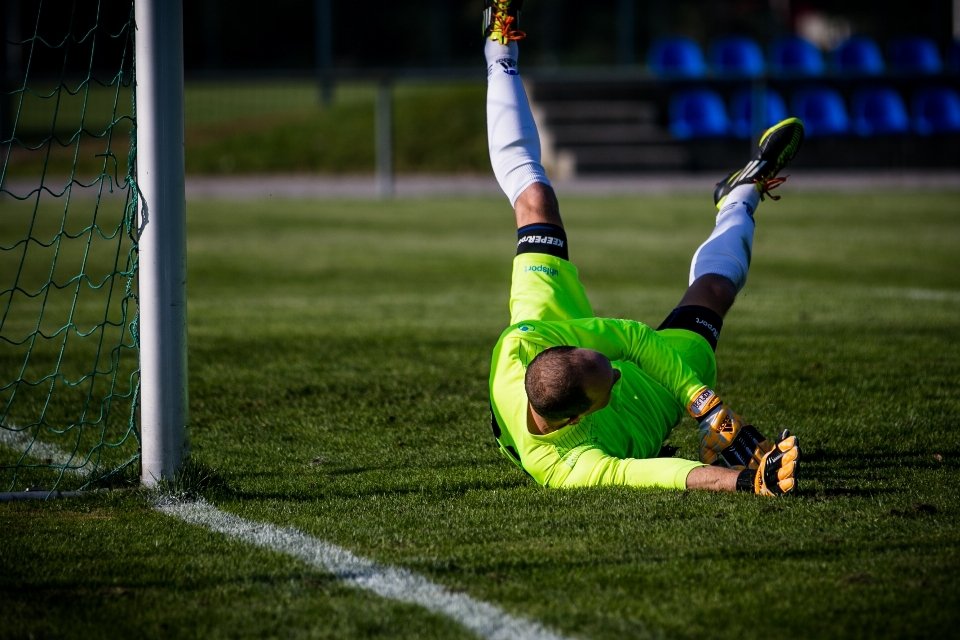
(703, 403)
(745, 480)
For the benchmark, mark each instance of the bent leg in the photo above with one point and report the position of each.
(711, 291)
(719, 268)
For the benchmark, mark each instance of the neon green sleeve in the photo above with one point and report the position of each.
(595, 468)
(632, 341)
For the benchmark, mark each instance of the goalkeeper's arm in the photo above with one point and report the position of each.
(776, 474)
(594, 468)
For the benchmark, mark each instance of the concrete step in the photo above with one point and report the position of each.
(565, 135)
(595, 111)
(630, 157)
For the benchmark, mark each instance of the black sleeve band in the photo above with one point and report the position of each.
(543, 238)
(745, 480)
(700, 320)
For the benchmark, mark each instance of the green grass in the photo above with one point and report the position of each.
(438, 128)
(339, 353)
(263, 127)
(67, 313)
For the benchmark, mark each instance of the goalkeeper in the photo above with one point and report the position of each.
(585, 401)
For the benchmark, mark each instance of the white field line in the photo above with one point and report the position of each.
(19, 440)
(920, 294)
(486, 620)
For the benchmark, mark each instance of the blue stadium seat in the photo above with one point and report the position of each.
(795, 56)
(676, 57)
(737, 56)
(936, 110)
(878, 111)
(915, 55)
(698, 113)
(741, 111)
(858, 55)
(822, 111)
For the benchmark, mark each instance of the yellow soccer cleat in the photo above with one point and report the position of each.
(778, 146)
(500, 20)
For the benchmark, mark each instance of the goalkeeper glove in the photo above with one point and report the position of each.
(725, 438)
(777, 474)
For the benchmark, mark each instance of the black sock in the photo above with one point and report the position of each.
(543, 238)
(700, 320)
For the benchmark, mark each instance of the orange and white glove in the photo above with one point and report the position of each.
(725, 438)
(777, 474)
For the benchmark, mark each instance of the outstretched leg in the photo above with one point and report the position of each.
(515, 142)
(545, 284)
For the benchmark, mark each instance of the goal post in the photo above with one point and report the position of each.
(93, 350)
(164, 416)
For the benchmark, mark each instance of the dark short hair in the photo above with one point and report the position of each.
(555, 383)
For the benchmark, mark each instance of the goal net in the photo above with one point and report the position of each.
(69, 364)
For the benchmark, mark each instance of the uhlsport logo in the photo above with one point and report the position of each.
(526, 328)
(704, 323)
(539, 268)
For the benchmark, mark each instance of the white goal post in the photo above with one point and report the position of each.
(164, 417)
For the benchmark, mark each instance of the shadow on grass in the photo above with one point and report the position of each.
(881, 460)
(54, 591)
(307, 494)
(844, 492)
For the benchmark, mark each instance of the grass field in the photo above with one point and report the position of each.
(259, 127)
(339, 354)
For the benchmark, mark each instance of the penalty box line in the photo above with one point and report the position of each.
(484, 619)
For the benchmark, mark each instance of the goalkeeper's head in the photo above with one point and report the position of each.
(564, 384)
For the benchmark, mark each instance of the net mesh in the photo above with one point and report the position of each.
(69, 359)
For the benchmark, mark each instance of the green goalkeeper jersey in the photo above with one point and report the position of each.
(617, 445)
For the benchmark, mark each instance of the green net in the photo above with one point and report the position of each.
(69, 359)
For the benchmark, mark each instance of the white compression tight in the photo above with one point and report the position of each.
(727, 251)
(511, 131)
